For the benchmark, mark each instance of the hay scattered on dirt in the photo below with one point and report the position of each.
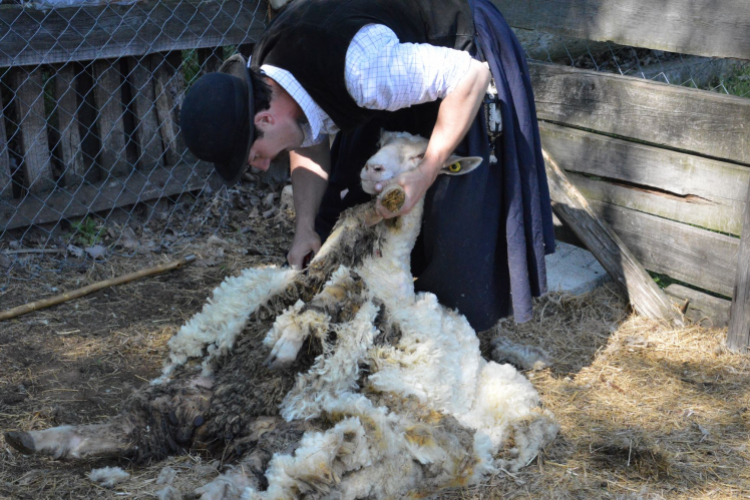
(646, 411)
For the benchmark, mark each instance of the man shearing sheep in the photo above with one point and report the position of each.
(354, 67)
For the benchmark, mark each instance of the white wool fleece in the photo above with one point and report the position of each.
(224, 316)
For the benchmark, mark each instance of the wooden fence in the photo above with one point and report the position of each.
(91, 99)
(665, 166)
(92, 95)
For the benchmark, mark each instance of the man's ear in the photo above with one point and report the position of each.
(460, 165)
(264, 117)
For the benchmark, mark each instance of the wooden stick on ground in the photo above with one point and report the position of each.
(572, 208)
(67, 296)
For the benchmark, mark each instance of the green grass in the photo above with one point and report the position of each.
(87, 232)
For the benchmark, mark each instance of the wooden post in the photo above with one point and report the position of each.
(738, 335)
(108, 96)
(144, 107)
(29, 103)
(67, 125)
(165, 99)
(6, 184)
(569, 204)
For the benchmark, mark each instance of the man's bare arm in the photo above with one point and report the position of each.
(309, 170)
(456, 113)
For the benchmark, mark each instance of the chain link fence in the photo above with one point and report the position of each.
(90, 148)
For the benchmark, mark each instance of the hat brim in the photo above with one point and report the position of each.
(233, 169)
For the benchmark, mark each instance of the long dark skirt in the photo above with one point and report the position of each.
(485, 234)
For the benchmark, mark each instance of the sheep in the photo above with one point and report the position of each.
(326, 381)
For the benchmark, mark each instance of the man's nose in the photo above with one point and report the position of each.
(261, 163)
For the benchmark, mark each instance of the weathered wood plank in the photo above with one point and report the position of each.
(686, 119)
(166, 88)
(703, 309)
(108, 96)
(29, 102)
(645, 297)
(144, 107)
(69, 148)
(738, 335)
(635, 163)
(724, 217)
(112, 193)
(700, 27)
(689, 254)
(81, 33)
(6, 185)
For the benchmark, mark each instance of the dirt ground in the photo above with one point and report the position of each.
(646, 411)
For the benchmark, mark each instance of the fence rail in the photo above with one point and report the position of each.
(30, 36)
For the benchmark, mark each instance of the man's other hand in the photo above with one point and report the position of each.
(305, 242)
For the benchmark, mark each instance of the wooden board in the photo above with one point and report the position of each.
(699, 121)
(143, 105)
(700, 27)
(703, 309)
(108, 96)
(6, 186)
(724, 217)
(29, 103)
(738, 334)
(115, 192)
(32, 36)
(701, 258)
(69, 148)
(165, 88)
(614, 256)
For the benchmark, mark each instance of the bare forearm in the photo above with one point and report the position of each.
(456, 113)
(309, 170)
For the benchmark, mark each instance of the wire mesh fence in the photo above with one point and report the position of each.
(89, 139)
(90, 145)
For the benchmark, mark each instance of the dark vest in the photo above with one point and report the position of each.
(310, 39)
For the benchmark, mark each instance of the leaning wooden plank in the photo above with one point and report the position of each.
(147, 124)
(69, 148)
(166, 100)
(738, 336)
(701, 258)
(116, 192)
(723, 215)
(29, 103)
(700, 27)
(686, 119)
(645, 297)
(681, 174)
(700, 307)
(86, 32)
(108, 95)
(6, 185)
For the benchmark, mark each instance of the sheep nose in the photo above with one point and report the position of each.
(375, 168)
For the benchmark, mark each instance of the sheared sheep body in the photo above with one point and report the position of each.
(388, 395)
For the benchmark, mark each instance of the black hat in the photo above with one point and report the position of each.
(217, 118)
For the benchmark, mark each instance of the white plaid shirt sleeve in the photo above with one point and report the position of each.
(382, 73)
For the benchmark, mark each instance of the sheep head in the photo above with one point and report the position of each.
(400, 152)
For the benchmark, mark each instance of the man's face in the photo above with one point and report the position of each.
(278, 130)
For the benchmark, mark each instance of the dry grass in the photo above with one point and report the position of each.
(646, 411)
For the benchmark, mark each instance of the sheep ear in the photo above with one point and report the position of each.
(460, 165)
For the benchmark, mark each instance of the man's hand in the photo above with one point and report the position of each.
(305, 242)
(415, 183)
